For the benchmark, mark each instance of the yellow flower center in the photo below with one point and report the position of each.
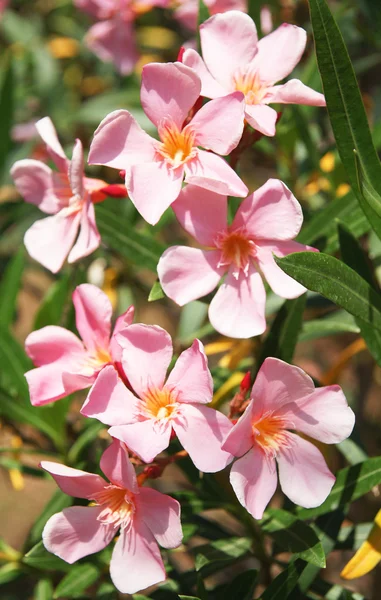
(250, 85)
(159, 404)
(236, 248)
(118, 506)
(176, 146)
(270, 433)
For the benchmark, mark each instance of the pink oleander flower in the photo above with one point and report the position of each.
(65, 363)
(234, 60)
(67, 195)
(144, 419)
(143, 516)
(284, 400)
(186, 11)
(155, 169)
(266, 223)
(113, 38)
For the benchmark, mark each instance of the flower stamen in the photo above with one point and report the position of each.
(119, 506)
(176, 146)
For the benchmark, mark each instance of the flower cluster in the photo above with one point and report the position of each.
(135, 388)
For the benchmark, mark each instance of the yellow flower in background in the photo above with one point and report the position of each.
(367, 556)
(327, 162)
(63, 47)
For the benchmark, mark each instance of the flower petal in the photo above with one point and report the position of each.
(294, 92)
(303, 474)
(188, 273)
(74, 482)
(213, 173)
(238, 308)
(168, 90)
(261, 117)
(279, 52)
(121, 323)
(191, 377)
(229, 44)
(48, 383)
(219, 123)
(143, 438)
(210, 88)
(239, 440)
(113, 40)
(280, 283)
(196, 423)
(76, 169)
(254, 480)
(89, 238)
(147, 352)
(75, 533)
(119, 142)
(93, 312)
(153, 187)
(136, 562)
(117, 467)
(271, 213)
(48, 134)
(161, 514)
(53, 343)
(202, 213)
(34, 182)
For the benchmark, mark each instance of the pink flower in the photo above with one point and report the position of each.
(143, 516)
(186, 11)
(284, 398)
(66, 364)
(155, 170)
(266, 223)
(67, 195)
(234, 60)
(144, 419)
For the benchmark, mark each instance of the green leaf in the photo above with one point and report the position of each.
(339, 322)
(292, 535)
(140, 249)
(10, 285)
(57, 502)
(188, 597)
(77, 581)
(53, 304)
(156, 292)
(220, 553)
(9, 572)
(351, 483)
(282, 586)
(43, 590)
(352, 452)
(352, 536)
(39, 558)
(242, 587)
(283, 335)
(203, 13)
(87, 436)
(6, 110)
(345, 107)
(336, 281)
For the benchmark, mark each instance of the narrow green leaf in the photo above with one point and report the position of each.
(339, 322)
(140, 249)
(351, 483)
(77, 581)
(188, 597)
(57, 502)
(368, 198)
(10, 286)
(43, 590)
(10, 572)
(203, 13)
(220, 553)
(352, 536)
(282, 586)
(283, 335)
(87, 436)
(156, 292)
(39, 558)
(6, 110)
(352, 452)
(53, 304)
(292, 535)
(242, 586)
(336, 281)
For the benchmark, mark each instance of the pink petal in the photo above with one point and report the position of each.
(219, 123)
(238, 308)
(278, 383)
(100, 9)
(76, 169)
(123, 321)
(153, 187)
(303, 474)
(49, 240)
(74, 482)
(261, 117)
(168, 90)
(191, 377)
(34, 182)
(213, 173)
(202, 423)
(75, 533)
(117, 467)
(294, 92)
(53, 343)
(210, 88)
(93, 312)
(48, 384)
(89, 238)
(202, 213)
(229, 44)
(271, 213)
(239, 440)
(324, 415)
(136, 562)
(114, 41)
(119, 142)
(144, 438)
(280, 283)
(279, 52)
(147, 352)
(48, 134)
(109, 400)
(188, 273)
(254, 480)
(161, 514)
